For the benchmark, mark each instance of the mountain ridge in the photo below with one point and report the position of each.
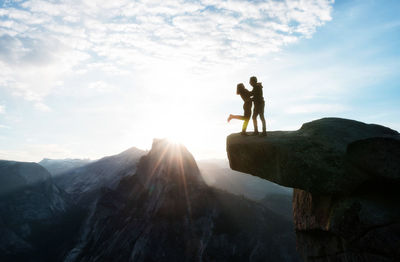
(166, 212)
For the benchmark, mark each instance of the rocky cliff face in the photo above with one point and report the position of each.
(32, 214)
(165, 212)
(346, 176)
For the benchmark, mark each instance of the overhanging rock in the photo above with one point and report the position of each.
(326, 156)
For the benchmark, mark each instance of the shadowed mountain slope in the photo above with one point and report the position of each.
(165, 212)
(34, 225)
(59, 166)
(84, 182)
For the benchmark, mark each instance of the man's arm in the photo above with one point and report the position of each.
(251, 93)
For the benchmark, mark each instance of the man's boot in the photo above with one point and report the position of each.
(264, 132)
(264, 127)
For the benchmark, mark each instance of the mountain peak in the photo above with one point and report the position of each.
(131, 151)
(169, 161)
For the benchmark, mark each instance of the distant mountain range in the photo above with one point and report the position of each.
(139, 206)
(217, 173)
(166, 212)
(59, 166)
(83, 182)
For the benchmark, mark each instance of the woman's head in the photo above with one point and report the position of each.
(239, 88)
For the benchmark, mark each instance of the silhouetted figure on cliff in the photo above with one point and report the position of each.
(245, 94)
(259, 104)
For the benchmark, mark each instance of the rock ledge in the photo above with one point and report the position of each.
(346, 176)
(326, 156)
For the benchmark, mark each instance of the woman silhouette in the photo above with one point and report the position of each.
(245, 94)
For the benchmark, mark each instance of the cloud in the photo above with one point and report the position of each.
(44, 42)
(101, 87)
(42, 107)
(31, 66)
(2, 109)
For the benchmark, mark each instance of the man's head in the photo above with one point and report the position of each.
(239, 88)
(253, 81)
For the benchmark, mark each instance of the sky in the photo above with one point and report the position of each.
(86, 79)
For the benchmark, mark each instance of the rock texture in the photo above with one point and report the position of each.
(346, 176)
(32, 214)
(166, 212)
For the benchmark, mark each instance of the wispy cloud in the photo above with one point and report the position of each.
(42, 107)
(101, 87)
(43, 42)
(2, 109)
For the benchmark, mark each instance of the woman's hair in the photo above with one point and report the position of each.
(239, 88)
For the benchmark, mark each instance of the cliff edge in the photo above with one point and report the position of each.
(346, 176)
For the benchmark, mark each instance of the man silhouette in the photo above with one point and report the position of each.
(259, 104)
(245, 95)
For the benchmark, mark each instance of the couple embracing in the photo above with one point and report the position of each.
(251, 97)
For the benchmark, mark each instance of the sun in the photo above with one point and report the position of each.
(181, 124)
(176, 107)
(180, 132)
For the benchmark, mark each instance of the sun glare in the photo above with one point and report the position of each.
(175, 140)
(179, 133)
(176, 106)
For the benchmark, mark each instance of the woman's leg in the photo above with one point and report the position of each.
(236, 117)
(245, 123)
